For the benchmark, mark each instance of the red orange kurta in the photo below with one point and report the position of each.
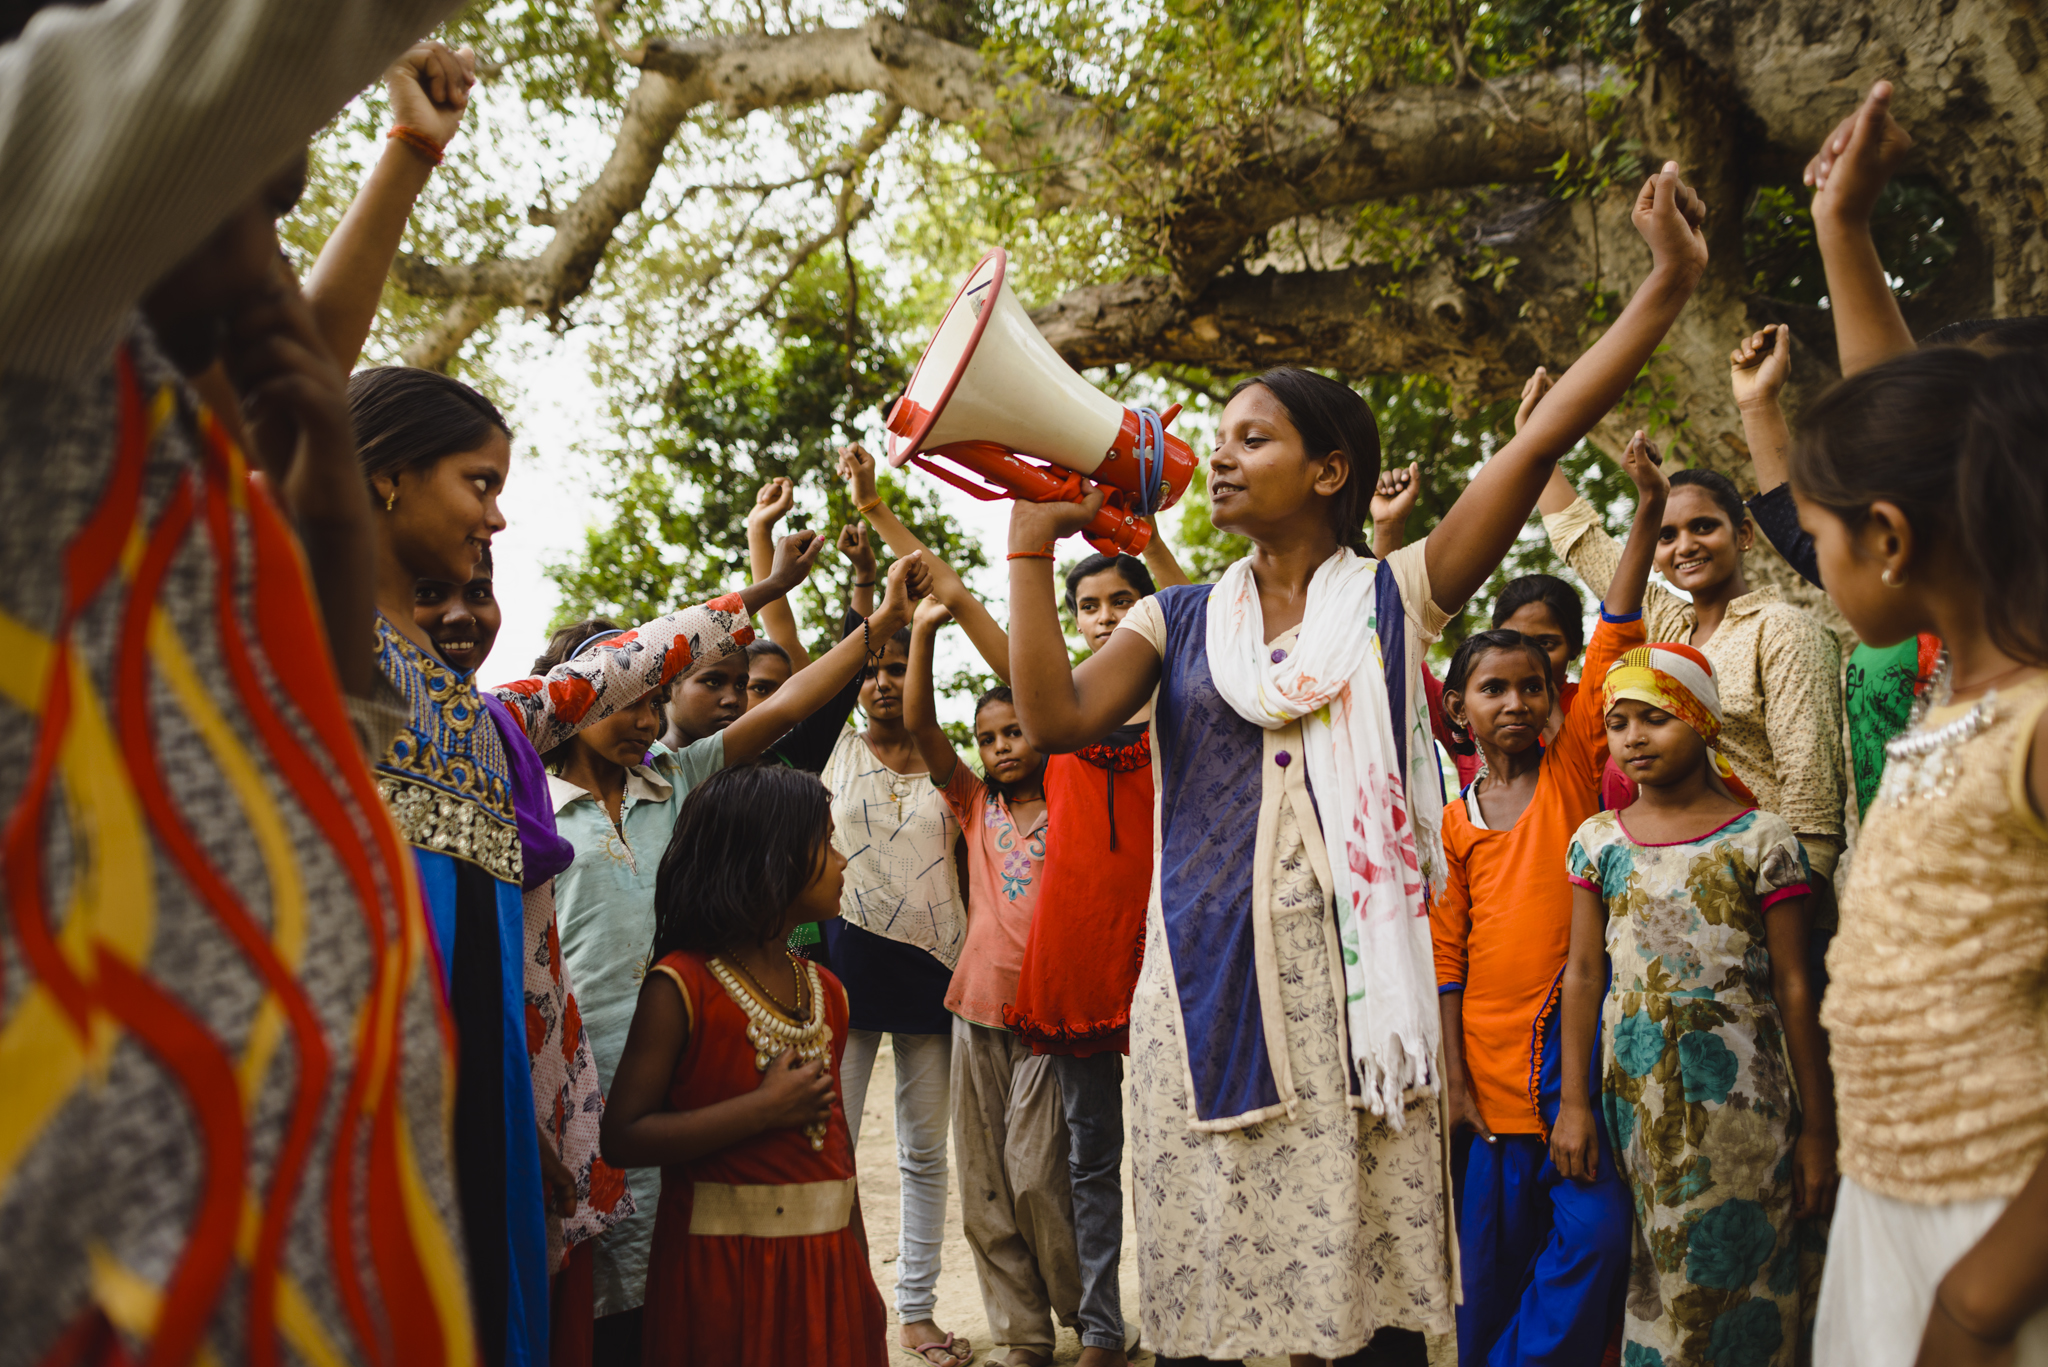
(757, 1298)
(1502, 927)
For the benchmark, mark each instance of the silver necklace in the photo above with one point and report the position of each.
(1922, 764)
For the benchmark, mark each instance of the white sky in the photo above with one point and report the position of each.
(549, 503)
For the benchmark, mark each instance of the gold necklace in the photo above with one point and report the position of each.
(801, 1009)
(770, 1034)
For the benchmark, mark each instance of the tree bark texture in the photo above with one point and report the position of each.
(1740, 92)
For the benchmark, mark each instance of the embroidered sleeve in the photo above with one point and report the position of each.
(1581, 861)
(1800, 664)
(1581, 542)
(1781, 863)
(620, 671)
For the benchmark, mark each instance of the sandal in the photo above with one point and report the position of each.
(959, 1353)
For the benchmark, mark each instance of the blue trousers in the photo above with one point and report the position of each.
(1545, 1258)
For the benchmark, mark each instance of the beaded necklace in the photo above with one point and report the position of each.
(771, 1032)
(1922, 763)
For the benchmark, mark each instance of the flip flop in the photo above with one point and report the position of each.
(954, 1347)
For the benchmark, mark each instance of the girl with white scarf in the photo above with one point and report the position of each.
(1286, 1133)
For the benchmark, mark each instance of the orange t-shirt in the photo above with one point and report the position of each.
(1503, 926)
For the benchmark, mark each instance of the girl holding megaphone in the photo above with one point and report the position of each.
(1286, 1117)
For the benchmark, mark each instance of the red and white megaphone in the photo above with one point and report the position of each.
(992, 396)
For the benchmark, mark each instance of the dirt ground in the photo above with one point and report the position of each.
(959, 1298)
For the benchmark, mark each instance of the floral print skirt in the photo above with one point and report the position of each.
(1300, 1236)
(1703, 1113)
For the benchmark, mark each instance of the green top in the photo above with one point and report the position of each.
(1878, 700)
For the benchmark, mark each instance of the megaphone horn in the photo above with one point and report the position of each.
(990, 386)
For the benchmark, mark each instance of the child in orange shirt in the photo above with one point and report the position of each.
(1545, 1260)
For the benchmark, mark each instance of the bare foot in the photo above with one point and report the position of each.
(935, 1345)
(1102, 1357)
(1024, 1357)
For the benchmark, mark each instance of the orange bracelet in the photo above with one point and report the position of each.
(1045, 554)
(863, 507)
(418, 142)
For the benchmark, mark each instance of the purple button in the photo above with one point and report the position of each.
(1282, 758)
(1278, 656)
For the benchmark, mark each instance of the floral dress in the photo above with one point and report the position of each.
(1699, 1095)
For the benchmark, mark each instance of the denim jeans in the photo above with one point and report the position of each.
(923, 1104)
(1092, 1091)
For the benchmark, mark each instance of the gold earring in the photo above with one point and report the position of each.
(392, 501)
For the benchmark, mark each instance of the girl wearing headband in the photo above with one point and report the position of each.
(1713, 1069)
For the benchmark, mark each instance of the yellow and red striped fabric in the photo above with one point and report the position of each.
(224, 1057)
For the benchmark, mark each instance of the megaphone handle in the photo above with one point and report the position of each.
(973, 490)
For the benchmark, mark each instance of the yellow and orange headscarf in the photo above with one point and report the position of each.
(1677, 679)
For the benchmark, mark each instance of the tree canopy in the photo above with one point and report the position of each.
(755, 213)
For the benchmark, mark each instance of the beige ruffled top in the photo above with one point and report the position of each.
(1937, 1008)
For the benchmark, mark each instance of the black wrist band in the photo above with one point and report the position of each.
(863, 583)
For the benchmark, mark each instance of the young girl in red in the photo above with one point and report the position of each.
(729, 1082)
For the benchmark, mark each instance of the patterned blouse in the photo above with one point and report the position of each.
(1784, 738)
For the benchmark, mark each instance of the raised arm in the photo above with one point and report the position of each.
(1060, 707)
(623, 669)
(1847, 175)
(768, 721)
(1393, 498)
(1480, 527)
(857, 468)
(1624, 596)
(1757, 371)
(130, 131)
(1166, 571)
(429, 88)
(920, 697)
(772, 502)
(860, 557)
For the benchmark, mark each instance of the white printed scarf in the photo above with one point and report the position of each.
(1384, 852)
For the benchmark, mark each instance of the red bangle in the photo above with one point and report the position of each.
(418, 142)
(1045, 554)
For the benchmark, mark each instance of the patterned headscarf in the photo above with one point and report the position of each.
(1677, 679)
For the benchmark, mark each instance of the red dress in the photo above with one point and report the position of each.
(755, 1262)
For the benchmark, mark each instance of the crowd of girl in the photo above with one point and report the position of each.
(354, 1011)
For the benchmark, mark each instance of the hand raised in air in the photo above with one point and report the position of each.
(1760, 365)
(429, 88)
(1668, 215)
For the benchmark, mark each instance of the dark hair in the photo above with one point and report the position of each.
(406, 418)
(746, 842)
(1716, 486)
(761, 645)
(1953, 436)
(1561, 598)
(562, 644)
(1331, 417)
(1129, 566)
(1992, 335)
(1479, 643)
